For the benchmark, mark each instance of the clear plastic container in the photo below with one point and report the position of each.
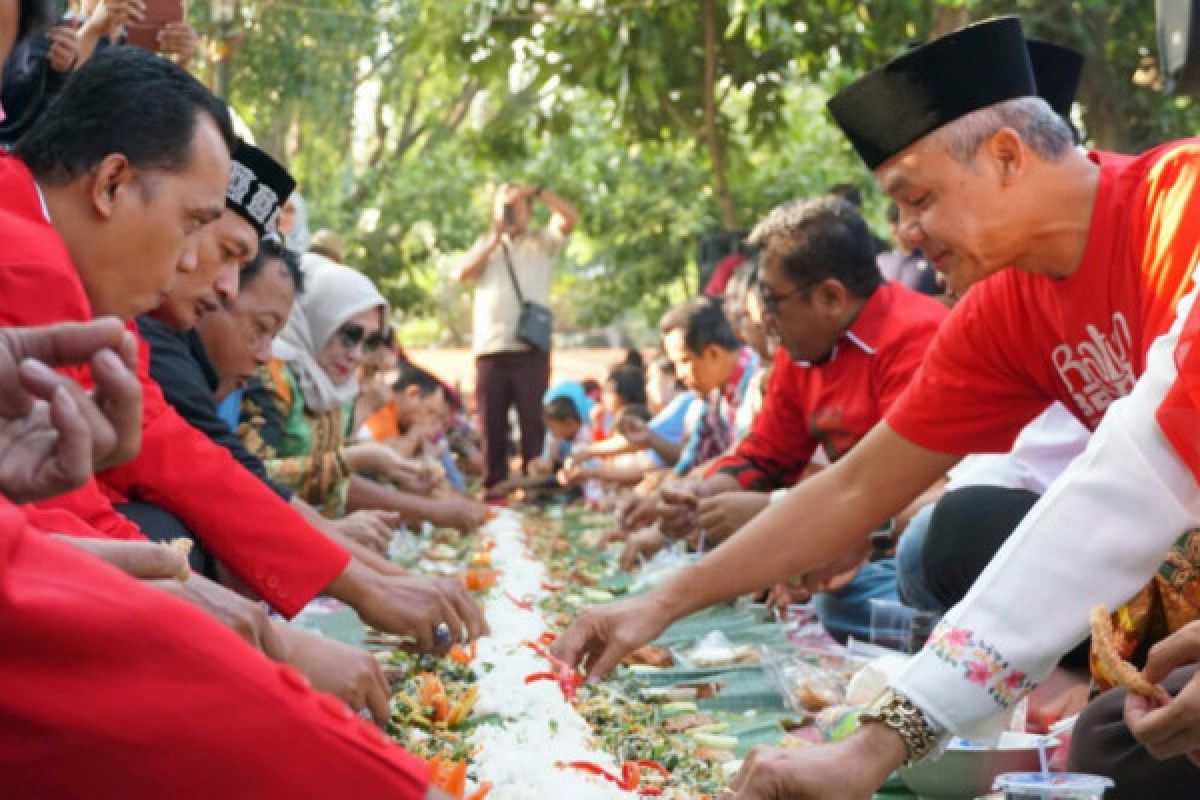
(890, 625)
(1052, 786)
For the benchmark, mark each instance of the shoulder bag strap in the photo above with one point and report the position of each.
(511, 274)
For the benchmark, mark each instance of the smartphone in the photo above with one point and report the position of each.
(159, 14)
(510, 215)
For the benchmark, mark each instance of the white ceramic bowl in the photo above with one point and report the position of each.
(967, 771)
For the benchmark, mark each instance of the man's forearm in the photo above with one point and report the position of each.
(354, 586)
(406, 444)
(718, 483)
(476, 259)
(562, 209)
(629, 475)
(366, 494)
(356, 550)
(615, 445)
(822, 520)
(670, 452)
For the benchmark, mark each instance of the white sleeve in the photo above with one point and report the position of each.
(1041, 453)
(1097, 536)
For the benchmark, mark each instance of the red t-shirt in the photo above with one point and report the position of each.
(834, 404)
(1018, 341)
(239, 519)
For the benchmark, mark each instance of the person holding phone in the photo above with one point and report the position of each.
(510, 267)
(38, 66)
(158, 25)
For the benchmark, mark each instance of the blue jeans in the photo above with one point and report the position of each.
(848, 612)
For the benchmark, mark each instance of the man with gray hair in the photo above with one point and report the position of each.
(1081, 268)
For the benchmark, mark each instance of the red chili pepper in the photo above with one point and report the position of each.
(589, 767)
(548, 638)
(521, 604)
(550, 587)
(535, 647)
(569, 683)
(630, 776)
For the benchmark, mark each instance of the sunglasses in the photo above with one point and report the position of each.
(351, 336)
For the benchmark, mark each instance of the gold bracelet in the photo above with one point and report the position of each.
(921, 737)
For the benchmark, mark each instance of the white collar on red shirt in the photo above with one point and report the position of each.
(849, 333)
(866, 348)
(42, 201)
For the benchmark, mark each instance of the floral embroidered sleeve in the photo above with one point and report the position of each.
(275, 428)
(1096, 536)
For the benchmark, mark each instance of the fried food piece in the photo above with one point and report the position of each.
(814, 698)
(686, 722)
(1120, 671)
(705, 690)
(183, 546)
(713, 754)
(650, 655)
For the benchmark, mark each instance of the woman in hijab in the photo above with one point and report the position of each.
(297, 413)
(293, 223)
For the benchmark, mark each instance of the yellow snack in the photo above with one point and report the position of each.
(183, 546)
(1119, 671)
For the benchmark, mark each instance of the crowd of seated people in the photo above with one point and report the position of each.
(181, 362)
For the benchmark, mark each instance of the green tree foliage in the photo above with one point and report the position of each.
(661, 119)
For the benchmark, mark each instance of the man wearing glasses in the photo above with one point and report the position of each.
(849, 344)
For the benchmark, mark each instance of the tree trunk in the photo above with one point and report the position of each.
(1103, 102)
(712, 130)
(947, 19)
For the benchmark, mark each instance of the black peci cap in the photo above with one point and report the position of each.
(258, 187)
(1056, 70)
(923, 89)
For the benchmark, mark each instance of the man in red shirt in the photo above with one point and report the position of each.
(125, 201)
(1082, 269)
(125, 653)
(850, 343)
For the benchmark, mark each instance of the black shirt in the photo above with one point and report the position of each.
(180, 365)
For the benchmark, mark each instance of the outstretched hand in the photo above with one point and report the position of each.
(603, 635)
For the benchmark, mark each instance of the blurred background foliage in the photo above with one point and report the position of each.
(660, 119)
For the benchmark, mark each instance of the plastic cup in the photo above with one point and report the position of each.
(1052, 786)
(920, 628)
(891, 625)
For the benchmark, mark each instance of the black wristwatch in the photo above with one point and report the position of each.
(537, 190)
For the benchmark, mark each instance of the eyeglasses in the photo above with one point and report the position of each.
(771, 302)
(351, 336)
(385, 339)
